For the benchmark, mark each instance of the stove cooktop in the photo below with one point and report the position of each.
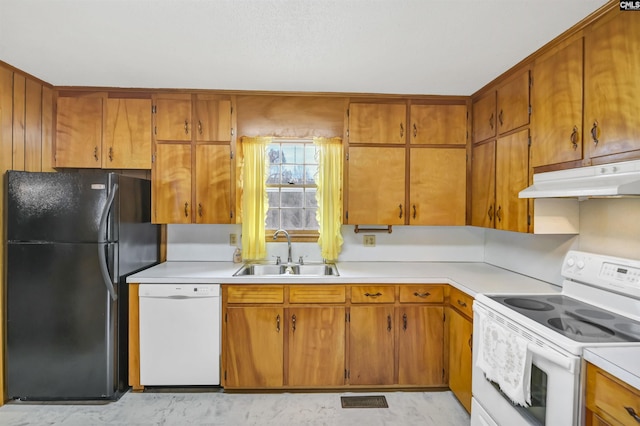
(573, 318)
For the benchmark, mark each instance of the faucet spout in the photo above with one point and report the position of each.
(286, 234)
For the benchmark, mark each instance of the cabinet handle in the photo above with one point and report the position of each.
(500, 117)
(95, 153)
(498, 215)
(199, 126)
(471, 341)
(278, 323)
(400, 207)
(414, 211)
(293, 322)
(461, 303)
(186, 127)
(200, 209)
(401, 130)
(490, 212)
(415, 130)
(491, 121)
(632, 413)
(594, 133)
(378, 294)
(425, 294)
(186, 209)
(389, 323)
(574, 137)
(111, 154)
(404, 322)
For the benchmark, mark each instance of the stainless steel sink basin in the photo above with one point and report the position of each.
(273, 270)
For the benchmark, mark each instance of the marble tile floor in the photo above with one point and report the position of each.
(218, 408)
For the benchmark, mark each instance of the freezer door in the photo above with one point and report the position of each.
(61, 323)
(57, 207)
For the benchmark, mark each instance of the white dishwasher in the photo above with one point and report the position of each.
(179, 334)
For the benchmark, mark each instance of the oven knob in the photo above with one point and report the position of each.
(571, 262)
(580, 264)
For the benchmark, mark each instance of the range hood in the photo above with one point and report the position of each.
(607, 180)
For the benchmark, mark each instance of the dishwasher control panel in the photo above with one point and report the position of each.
(179, 290)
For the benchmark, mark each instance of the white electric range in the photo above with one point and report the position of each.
(599, 306)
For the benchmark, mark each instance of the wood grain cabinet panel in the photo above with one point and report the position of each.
(609, 400)
(512, 176)
(79, 132)
(255, 294)
(483, 184)
(484, 117)
(513, 103)
(421, 294)
(127, 134)
(556, 131)
(371, 345)
(460, 356)
(171, 184)
(373, 294)
(612, 84)
(212, 119)
(438, 124)
(461, 302)
(317, 294)
(380, 123)
(420, 333)
(213, 183)
(173, 118)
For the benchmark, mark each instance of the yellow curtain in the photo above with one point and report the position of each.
(253, 184)
(329, 196)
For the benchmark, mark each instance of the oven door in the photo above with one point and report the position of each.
(554, 383)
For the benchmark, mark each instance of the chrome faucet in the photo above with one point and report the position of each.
(286, 234)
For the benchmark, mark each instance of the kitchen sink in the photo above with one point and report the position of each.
(287, 269)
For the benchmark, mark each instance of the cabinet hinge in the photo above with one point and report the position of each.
(225, 374)
(347, 112)
(231, 110)
(155, 130)
(442, 375)
(530, 109)
(231, 154)
(444, 317)
(232, 131)
(347, 156)
(346, 215)
(153, 109)
(153, 157)
(231, 214)
(347, 317)
(225, 317)
(528, 220)
(530, 80)
(347, 133)
(529, 140)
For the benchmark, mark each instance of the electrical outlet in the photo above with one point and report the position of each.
(233, 239)
(369, 240)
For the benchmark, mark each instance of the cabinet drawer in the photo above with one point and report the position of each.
(461, 302)
(317, 294)
(421, 294)
(609, 398)
(373, 294)
(255, 294)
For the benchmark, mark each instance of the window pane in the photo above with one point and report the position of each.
(292, 153)
(310, 174)
(274, 175)
(310, 154)
(310, 219)
(310, 197)
(292, 174)
(292, 197)
(273, 151)
(273, 219)
(273, 195)
(292, 218)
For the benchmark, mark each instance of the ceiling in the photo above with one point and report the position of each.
(450, 47)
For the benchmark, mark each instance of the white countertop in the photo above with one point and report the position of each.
(470, 277)
(619, 361)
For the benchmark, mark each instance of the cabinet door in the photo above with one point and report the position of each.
(171, 183)
(316, 346)
(371, 345)
(460, 357)
(173, 118)
(213, 119)
(376, 186)
(483, 184)
(612, 84)
(127, 136)
(512, 176)
(377, 123)
(213, 183)
(438, 124)
(557, 107)
(255, 347)
(438, 186)
(513, 103)
(484, 117)
(79, 132)
(420, 341)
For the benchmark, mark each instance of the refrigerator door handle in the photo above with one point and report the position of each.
(101, 252)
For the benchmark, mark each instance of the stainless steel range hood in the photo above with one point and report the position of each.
(608, 180)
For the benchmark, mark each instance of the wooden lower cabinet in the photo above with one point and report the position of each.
(460, 357)
(254, 347)
(316, 346)
(420, 332)
(371, 345)
(610, 401)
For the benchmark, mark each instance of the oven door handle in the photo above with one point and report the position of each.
(552, 357)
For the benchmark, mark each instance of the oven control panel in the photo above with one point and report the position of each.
(618, 274)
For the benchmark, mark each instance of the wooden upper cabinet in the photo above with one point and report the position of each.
(438, 124)
(512, 176)
(612, 85)
(212, 119)
(376, 188)
(484, 117)
(556, 130)
(213, 183)
(127, 134)
(437, 188)
(79, 132)
(171, 183)
(377, 123)
(513, 103)
(483, 184)
(173, 118)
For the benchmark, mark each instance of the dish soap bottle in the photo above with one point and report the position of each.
(237, 255)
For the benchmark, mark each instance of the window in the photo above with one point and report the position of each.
(291, 185)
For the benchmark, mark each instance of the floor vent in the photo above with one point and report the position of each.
(364, 401)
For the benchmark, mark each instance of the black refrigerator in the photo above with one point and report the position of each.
(72, 239)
